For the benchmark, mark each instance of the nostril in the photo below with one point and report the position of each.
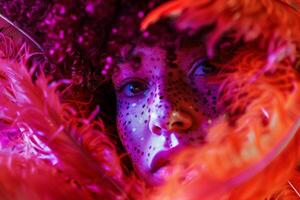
(156, 130)
(176, 121)
(180, 121)
(177, 124)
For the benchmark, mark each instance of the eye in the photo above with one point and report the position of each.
(133, 88)
(203, 67)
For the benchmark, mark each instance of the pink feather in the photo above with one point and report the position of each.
(51, 139)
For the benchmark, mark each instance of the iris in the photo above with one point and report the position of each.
(134, 88)
(203, 67)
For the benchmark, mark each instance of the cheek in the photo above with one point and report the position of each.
(207, 94)
(132, 122)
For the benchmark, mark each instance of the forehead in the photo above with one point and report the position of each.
(142, 58)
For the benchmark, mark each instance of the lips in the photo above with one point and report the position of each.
(163, 158)
(160, 160)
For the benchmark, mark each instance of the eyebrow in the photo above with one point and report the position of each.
(130, 56)
(132, 62)
(190, 41)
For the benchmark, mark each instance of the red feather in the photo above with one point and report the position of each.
(44, 129)
(273, 22)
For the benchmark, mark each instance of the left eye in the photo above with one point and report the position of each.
(133, 88)
(203, 68)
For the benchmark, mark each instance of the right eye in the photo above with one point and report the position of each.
(203, 68)
(134, 88)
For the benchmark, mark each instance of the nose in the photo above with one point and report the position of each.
(167, 121)
(180, 121)
(171, 113)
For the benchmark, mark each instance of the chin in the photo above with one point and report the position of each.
(151, 179)
(154, 180)
(159, 177)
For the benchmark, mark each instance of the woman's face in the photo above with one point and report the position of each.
(166, 101)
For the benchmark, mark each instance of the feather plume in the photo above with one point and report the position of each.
(45, 130)
(273, 22)
(26, 179)
(252, 159)
(49, 153)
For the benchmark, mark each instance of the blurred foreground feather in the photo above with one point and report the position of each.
(273, 22)
(249, 160)
(253, 159)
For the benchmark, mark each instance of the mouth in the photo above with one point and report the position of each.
(163, 159)
(160, 160)
(161, 168)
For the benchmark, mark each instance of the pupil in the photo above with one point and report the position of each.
(208, 68)
(135, 88)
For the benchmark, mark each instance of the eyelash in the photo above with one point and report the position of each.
(132, 81)
(200, 66)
